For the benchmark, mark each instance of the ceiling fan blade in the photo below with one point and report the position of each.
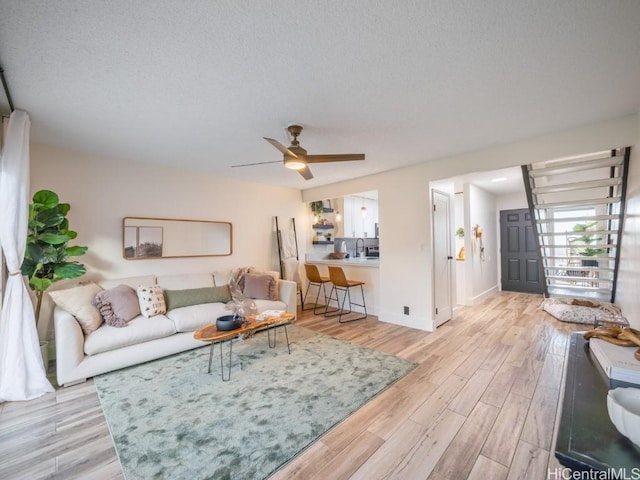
(259, 163)
(306, 173)
(346, 157)
(280, 147)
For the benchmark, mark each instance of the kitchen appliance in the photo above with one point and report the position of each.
(372, 251)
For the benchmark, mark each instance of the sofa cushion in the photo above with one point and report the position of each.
(184, 281)
(78, 302)
(263, 305)
(151, 300)
(117, 305)
(189, 319)
(196, 296)
(138, 330)
(133, 282)
(275, 274)
(259, 287)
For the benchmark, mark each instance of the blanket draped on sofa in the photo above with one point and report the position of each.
(241, 305)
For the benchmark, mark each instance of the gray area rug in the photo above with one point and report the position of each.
(171, 420)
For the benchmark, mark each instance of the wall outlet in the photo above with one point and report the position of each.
(406, 310)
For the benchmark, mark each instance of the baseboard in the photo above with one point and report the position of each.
(412, 321)
(478, 299)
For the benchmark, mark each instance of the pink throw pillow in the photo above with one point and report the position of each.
(117, 305)
(259, 287)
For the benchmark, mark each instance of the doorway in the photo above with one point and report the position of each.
(518, 256)
(442, 258)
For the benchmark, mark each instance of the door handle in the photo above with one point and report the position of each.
(449, 257)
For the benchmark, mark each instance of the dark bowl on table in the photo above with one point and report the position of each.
(229, 322)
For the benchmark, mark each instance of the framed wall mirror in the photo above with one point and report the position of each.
(149, 238)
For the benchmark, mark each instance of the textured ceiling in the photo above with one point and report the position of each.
(197, 84)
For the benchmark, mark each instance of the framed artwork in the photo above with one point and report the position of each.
(142, 242)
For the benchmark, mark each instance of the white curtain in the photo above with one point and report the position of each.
(22, 374)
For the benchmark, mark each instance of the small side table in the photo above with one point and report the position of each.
(210, 333)
(587, 440)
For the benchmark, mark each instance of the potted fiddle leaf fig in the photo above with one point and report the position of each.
(47, 253)
(584, 238)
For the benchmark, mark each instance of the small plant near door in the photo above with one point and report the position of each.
(582, 240)
(460, 232)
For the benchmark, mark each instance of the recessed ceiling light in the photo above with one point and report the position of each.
(499, 179)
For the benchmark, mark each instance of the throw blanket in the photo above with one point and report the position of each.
(291, 269)
(288, 243)
(289, 251)
(240, 305)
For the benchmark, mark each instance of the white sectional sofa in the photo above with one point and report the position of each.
(81, 356)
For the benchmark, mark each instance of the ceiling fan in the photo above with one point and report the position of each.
(296, 157)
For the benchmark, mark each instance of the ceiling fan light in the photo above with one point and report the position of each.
(294, 163)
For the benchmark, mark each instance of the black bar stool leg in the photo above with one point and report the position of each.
(364, 305)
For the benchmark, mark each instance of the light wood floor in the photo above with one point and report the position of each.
(481, 404)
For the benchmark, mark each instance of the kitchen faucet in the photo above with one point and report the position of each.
(363, 249)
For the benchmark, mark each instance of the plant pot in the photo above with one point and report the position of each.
(44, 351)
(589, 263)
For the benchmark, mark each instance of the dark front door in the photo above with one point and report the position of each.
(519, 259)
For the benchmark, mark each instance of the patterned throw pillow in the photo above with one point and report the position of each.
(151, 301)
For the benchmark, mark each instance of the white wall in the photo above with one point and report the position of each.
(511, 201)
(481, 273)
(459, 243)
(102, 191)
(628, 275)
(405, 216)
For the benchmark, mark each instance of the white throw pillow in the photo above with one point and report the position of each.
(78, 301)
(151, 301)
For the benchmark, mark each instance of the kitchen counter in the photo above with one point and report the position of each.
(350, 262)
(363, 269)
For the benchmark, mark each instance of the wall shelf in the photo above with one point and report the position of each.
(322, 227)
(322, 242)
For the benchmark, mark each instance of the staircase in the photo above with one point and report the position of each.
(577, 206)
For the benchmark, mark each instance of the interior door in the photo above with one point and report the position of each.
(442, 257)
(519, 259)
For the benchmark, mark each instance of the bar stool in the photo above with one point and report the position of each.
(340, 282)
(314, 278)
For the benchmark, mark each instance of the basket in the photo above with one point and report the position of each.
(338, 255)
